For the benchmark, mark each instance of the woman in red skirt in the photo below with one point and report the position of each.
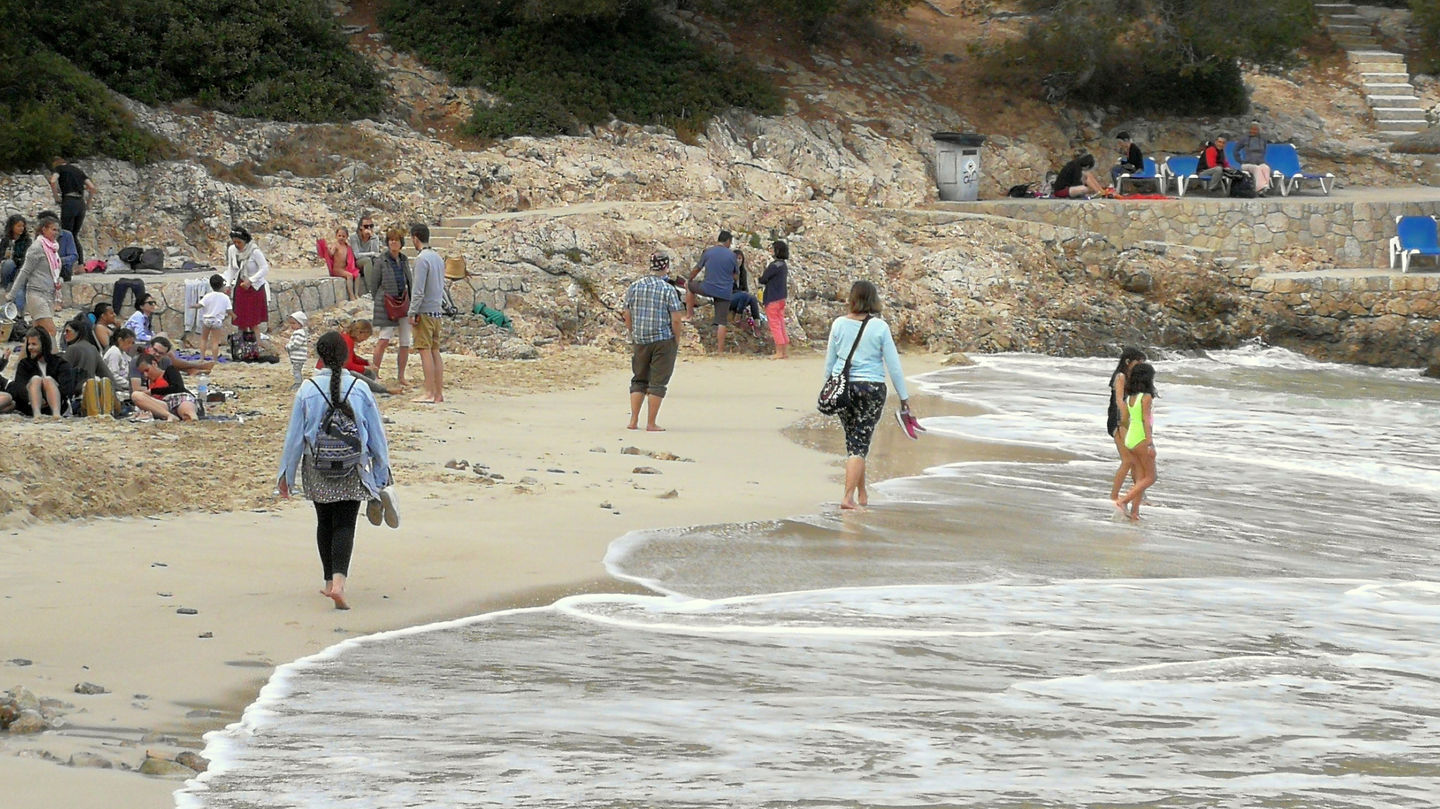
(246, 269)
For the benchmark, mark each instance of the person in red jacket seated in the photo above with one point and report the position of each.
(356, 333)
(1213, 164)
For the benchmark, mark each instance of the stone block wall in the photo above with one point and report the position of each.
(1355, 233)
(496, 290)
(311, 295)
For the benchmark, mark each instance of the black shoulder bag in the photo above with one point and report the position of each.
(835, 393)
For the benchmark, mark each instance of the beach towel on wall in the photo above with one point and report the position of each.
(195, 289)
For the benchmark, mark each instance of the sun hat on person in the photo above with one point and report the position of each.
(301, 318)
(659, 262)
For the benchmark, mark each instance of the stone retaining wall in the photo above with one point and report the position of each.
(1354, 233)
(310, 295)
(495, 290)
(1371, 318)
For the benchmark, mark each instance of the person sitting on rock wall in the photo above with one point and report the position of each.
(1077, 179)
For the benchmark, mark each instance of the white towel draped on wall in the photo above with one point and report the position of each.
(195, 289)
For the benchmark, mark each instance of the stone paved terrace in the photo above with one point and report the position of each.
(1353, 224)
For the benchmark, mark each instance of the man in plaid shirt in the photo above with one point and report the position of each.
(653, 314)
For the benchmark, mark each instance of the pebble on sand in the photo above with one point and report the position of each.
(645, 470)
(90, 688)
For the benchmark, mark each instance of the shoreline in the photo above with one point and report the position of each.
(252, 577)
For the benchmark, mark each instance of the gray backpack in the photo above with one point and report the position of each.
(337, 450)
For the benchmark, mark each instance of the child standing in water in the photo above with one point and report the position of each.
(1129, 358)
(1137, 422)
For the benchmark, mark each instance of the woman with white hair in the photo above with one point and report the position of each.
(1250, 151)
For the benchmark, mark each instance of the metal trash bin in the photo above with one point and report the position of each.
(957, 165)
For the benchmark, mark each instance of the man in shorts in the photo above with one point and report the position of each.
(426, 309)
(718, 262)
(653, 314)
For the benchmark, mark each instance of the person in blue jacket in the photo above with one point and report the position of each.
(337, 498)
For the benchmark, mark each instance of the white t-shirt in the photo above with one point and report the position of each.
(214, 305)
(119, 364)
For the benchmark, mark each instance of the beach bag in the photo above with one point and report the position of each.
(1242, 185)
(337, 450)
(835, 393)
(151, 258)
(130, 255)
(97, 398)
(244, 347)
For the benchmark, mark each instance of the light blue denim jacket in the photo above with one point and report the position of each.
(309, 412)
(875, 353)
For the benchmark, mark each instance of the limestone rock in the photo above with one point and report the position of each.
(90, 688)
(193, 760)
(29, 721)
(164, 767)
(91, 760)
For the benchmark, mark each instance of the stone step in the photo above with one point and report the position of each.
(445, 232)
(1392, 101)
(463, 222)
(1398, 90)
(1399, 114)
(1346, 29)
(1393, 134)
(1383, 78)
(1375, 57)
(1402, 126)
(1346, 19)
(1333, 9)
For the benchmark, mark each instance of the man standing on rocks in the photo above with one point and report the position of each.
(718, 262)
(71, 187)
(426, 308)
(653, 317)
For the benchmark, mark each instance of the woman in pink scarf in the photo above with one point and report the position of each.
(40, 277)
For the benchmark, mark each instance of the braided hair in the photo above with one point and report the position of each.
(333, 353)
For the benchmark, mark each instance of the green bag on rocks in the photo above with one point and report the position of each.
(494, 317)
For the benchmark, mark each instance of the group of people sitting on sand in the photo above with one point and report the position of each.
(97, 366)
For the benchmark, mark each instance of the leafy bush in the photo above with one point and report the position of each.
(49, 108)
(557, 73)
(280, 59)
(1427, 20)
(1174, 56)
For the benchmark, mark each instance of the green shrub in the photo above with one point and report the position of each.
(49, 108)
(557, 74)
(1427, 20)
(1173, 56)
(280, 59)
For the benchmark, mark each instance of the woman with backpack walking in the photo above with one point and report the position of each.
(337, 441)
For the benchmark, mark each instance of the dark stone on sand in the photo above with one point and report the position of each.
(194, 761)
(645, 470)
(154, 765)
(206, 635)
(90, 688)
(670, 495)
(187, 611)
(606, 505)
(20, 661)
(91, 760)
(632, 451)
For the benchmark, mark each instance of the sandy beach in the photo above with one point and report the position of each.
(95, 600)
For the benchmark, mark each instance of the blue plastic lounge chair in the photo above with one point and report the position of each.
(1146, 172)
(1285, 169)
(1414, 236)
(1230, 158)
(1182, 169)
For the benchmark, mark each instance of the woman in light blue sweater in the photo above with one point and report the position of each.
(874, 353)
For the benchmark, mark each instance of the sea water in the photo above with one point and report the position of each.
(985, 636)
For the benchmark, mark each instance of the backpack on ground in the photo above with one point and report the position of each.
(97, 397)
(1241, 185)
(130, 255)
(337, 450)
(1021, 191)
(151, 258)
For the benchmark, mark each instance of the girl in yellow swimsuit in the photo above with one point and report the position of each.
(1137, 423)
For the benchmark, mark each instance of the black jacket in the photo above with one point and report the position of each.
(55, 367)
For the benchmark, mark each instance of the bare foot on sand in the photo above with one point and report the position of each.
(632, 426)
(863, 497)
(654, 428)
(423, 400)
(339, 599)
(846, 505)
(1119, 509)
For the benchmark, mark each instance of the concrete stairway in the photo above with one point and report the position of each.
(1383, 74)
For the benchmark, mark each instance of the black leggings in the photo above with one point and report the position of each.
(335, 535)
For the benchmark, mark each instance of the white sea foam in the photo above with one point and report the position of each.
(987, 637)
